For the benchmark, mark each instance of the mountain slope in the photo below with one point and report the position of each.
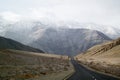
(104, 57)
(6, 43)
(102, 49)
(67, 41)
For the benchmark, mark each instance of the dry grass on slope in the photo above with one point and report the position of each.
(104, 57)
(22, 65)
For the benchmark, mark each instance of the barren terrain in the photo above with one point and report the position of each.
(104, 58)
(23, 65)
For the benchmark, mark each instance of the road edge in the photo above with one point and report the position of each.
(69, 75)
(98, 71)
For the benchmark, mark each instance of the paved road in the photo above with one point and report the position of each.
(84, 74)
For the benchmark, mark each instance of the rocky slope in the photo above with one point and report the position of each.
(67, 41)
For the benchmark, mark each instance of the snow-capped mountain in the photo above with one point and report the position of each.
(60, 37)
(111, 31)
(26, 26)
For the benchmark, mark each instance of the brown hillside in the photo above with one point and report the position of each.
(104, 57)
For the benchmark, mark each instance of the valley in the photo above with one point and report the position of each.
(52, 59)
(18, 61)
(59, 39)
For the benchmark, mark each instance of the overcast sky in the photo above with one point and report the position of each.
(86, 11)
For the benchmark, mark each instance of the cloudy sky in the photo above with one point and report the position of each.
(86, 11)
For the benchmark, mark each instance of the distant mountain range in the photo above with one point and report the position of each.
(27, 27)
(6, 43)
(111, 31)
(67, 41)
(60, 38)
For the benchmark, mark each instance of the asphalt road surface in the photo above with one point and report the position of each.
(81, 73)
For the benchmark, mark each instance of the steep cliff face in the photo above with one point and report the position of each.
(68, 41)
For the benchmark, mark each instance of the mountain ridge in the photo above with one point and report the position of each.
(6, 43)
(68, 41)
